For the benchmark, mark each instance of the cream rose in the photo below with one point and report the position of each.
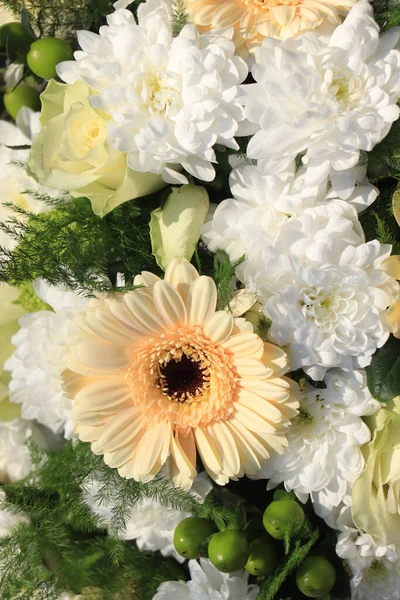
(376, 493)
(72, 152)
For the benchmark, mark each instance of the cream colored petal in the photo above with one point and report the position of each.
(242, 301)
(248, 457)
(182, 464)
(89, 419)
(283, 14)
(274, 389)
(252, 439)
(202, 300)
(143, 312)
(259, 405)
(122, 315)
(227, 14)
(245, 344)
(99, 355)
(203, 14)
(87, 433)
(218, 327)
(253, 421)
(73, 382)
(126, 471)
(207, 451)
(391, 266)
(118, 457)
(230, 454)
(181, 274)
(250, 368)
(275, 358)
(104, 394)
(105, 326)
(169, 304)
(146, 279)
(247, 24)
(149, 450)
(121, 429)
(276, 443)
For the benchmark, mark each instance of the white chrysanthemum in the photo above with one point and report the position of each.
(150, 523)
(15, 462)
(208, 583)
(39, 359)
(328, 97)
(263, 204)
(169, 99)
(14, 181)
(324, 457)
(325, 298)
(375, 567)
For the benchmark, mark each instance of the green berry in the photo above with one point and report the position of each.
(22, 95)
(315, 577)
(15, 38)
(283, 516)
(228, 550)
(189, 535)
(262, 558)
(45, 54)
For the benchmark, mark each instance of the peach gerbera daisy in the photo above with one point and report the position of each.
(158, 372)
(254, 20)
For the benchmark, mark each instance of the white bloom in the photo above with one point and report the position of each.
(15, 462)
(8, 520)
(150, 523)
(327, 97)
(324, 457)
(40, 358)
(170, 99)
(375, 567)
(264, 204)
(208, 583)
(14, 181)
(325, 298)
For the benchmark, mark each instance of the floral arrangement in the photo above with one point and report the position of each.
(200, 300)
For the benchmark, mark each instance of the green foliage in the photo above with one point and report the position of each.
(383, 374)
(71, 245)
(28, 299)
(64, 546)
(224, 273)
(179, 17)
(387, 13)
(378, 221)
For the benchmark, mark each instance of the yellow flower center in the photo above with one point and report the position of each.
(161, 92)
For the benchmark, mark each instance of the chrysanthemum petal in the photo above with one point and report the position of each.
(169, 303)
(218, 327)
(202, 300)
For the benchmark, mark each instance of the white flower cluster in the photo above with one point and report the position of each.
(40, 358)
(170, 99)
(322, 287)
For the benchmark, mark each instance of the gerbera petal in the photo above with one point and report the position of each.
(106, 327)
(253, 421)
(227, 14)
(250, 368)
(248, 344)
(146, 279)
(273, 389)
(259, 405)
(202, 300)
(143, 312)
(182, 464)
(119, 457)
(89, 419)
(121, 429)
(169, 303)
(207, 451)
(252, 439)
(218, 327)
(87, 433)
(150, 449)
(275, 358)
(104, 394)
(247, 456)
(181, 274)
(230, 454)
(99, 355)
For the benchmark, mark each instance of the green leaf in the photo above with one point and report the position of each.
(383, 374)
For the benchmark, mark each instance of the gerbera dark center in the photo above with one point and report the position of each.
(181, 379)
